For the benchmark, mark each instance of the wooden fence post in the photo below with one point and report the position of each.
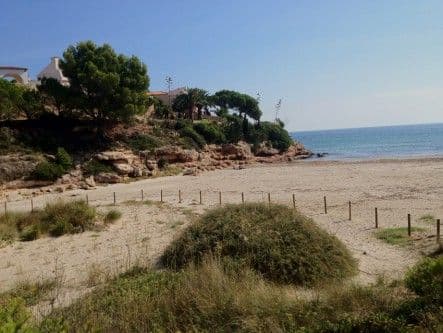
(269, 198)
(179, 196)
(219, 198)
(242, 198)
(142, 194)
(115, 200)
(326, 207)
(87, 199)
(161, 195)
(293, 201)
(201, 200)
(438, 231)
(409, 224)
(32, 205)
(376, 218)
(350, 211)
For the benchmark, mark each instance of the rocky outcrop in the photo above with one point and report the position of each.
(239, 151)
(176, 154)
(17, 166)
(108, 177)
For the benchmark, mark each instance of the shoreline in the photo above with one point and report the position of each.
(410, 158)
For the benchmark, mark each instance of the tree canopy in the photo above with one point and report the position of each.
(103, 84)
(238, 102)
(194, 99)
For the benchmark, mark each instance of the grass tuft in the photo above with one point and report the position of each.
(55, 219)
(427, 218)
(112, 216)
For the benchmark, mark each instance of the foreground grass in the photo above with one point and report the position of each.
(55, 220)
(210, 299)
(277, 242)
(396, 236)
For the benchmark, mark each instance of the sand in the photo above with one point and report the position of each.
(395, 187)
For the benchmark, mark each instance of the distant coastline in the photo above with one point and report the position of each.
(387, 142)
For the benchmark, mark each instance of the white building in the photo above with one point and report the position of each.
(53, 71)
(19, 74)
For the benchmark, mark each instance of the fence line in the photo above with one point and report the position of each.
(164, 197)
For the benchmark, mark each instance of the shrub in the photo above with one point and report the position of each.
(162, 163)
(274, 133)
(282, 245)
(143, 142)
(73, 217)
(14, 317)
(211, 132)
(29, 233)
(48, 171)
(63, 159)
(94, 167)
(426, 279)
(189, 132)
(112, 216)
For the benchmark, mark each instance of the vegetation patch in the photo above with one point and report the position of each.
(55, 219)
(112, 216)
(209, 298)
(53, 170)
(396, 236)
(275, 241)
(427, 218)
(94, 167)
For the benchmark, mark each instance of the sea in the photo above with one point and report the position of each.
(375, 142)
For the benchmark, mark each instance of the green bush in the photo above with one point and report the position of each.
(282, 245)
(63, 159)
(143, 142)
(29, 233)
(112, 216)
(211, 132)
(189, 132)
(48, 171)
(274, 133)
(61, 218)
(14, 317)
(94, 167)
(426, 279)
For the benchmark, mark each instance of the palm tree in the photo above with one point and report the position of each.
(194, 98)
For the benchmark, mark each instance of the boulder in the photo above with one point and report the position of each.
(90, 181)
(190, 172)
(108, 177)
(266, 150)
(151, 164)
(123, 168)
(116, 156)
(176, 154)
(16, 166)
(239, 151)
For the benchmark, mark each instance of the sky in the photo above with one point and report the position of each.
(334, 64)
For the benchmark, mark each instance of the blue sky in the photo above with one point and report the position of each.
(335, 64)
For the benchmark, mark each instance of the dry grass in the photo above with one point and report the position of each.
(210, 299)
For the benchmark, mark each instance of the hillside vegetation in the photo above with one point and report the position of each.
(107, 107)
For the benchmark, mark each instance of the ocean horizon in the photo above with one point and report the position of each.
(399, 141)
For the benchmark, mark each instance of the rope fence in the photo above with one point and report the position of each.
(217, 198)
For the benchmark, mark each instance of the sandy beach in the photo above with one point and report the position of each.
(395, 187)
